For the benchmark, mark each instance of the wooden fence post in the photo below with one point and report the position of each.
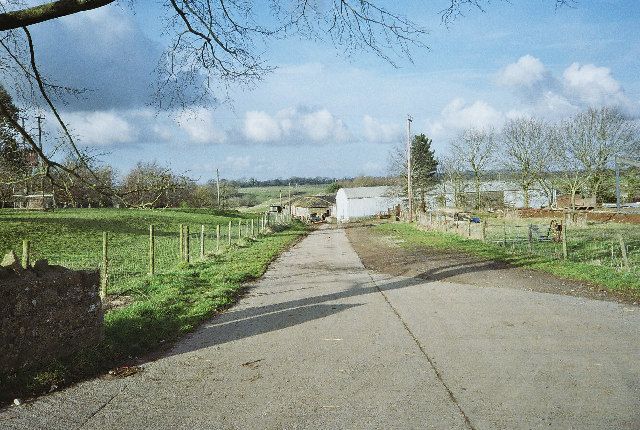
(181, 243)
(469, 231)
(239, 230)
(152, 251)
(253, 232)
(504, 233)
(217, 237)
(187, 244)
(484, 231)
(202, 242)
(104, 279)
(530, 237)
(26, 251)
(623, 249)
(565, 253)
(229, 233)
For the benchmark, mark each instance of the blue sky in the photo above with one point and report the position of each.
(324, 114)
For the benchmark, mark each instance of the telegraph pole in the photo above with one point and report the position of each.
(409, 182)
(218, 186)
(290, 213)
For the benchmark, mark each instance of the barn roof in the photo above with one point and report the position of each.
(368, 192)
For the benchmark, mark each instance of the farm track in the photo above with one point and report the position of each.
(322, 342)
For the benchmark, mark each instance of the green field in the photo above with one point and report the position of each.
(271, 195)
(162, 307)
(73, 238)
(612, 278)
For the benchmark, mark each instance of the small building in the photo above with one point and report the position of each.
(39, 201)
(310, 207)
(362, 202)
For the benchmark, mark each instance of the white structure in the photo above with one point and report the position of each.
(353, 203)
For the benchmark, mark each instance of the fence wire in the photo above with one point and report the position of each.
(598, 244)
(129, 254)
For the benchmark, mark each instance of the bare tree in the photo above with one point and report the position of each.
(475, 148)
(525, 142)
(606, 132)
(453, 174)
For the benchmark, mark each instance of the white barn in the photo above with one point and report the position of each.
(361, 202)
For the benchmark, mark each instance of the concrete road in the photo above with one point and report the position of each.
(320, 342)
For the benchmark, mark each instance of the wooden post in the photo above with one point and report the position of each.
(187, 245)
(181, 243)
(217, 237)
(565, 253)
(152, 251)
(253, 232)
(26, 257)
(623, 249)
(484, 231)
(239, 230)
(229, 233)
(530, 237)
(202, 242)
(104, 278)
(469, 231)
(504, 233)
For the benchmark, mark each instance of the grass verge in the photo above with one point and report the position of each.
(164, 308)
(626, 283)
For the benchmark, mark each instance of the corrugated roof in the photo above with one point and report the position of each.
(368, 192)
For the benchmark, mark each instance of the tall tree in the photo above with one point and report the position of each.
(475, 149)
(423, 165)
(525, 143)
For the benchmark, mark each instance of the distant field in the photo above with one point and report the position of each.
(271, 195)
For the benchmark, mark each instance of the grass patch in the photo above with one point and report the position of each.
(164, 308)
(605, 277)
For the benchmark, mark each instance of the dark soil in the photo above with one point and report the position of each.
(381, 253)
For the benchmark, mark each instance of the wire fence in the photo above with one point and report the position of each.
(123, 258)
(599, 244)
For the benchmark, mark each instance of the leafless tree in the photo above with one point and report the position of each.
(525, 143)
(453, 174)
(475, 150)
(604, 133)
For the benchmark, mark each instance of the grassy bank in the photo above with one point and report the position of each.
(163, 308)
(608, 278)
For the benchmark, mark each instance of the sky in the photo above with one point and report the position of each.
(324, 113)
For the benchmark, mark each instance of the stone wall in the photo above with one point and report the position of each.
(46, 312)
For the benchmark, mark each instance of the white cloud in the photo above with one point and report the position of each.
(379, 132)
(595, 86)
(459, 115)
(237, 163)
(322, 125)
(527, 71)
(200, 126)
(294, 126)
(100, 127)
(261, 127)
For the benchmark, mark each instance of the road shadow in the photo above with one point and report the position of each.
(244, 322)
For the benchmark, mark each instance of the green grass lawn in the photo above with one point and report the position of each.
(604, 276)
(163, 307)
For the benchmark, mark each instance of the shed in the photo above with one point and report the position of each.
(320, 206)
(362, 202)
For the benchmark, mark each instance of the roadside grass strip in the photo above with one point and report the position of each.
(162, 309)
(609, 278)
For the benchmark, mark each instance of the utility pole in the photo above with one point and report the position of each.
(290, 213)
(218, 185)
(409, 182)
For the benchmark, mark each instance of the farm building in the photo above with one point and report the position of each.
(313, 206)
(494, 194)
(361, 202)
